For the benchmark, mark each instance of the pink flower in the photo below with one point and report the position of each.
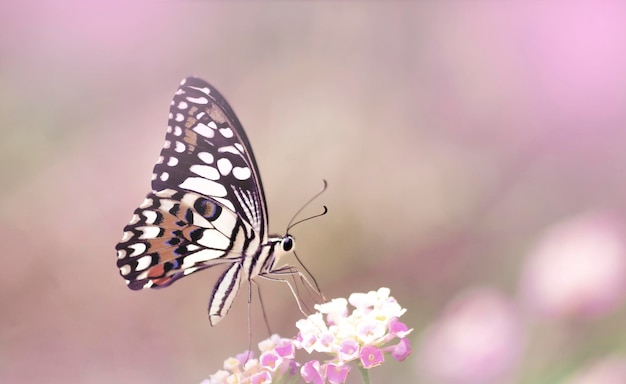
(312, 373)
(401, 350)
(478, 339)
(398, 328)
(287, 350)
(337, 373)
(371, 357)
(348, 350)
(578, 269)
(270, 360)
(262, 377)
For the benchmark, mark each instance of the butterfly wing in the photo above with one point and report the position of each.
(206, 151)
(175, 233)
(207, 205)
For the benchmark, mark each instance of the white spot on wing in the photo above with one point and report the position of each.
(126, 236)
(172, 161)
(242, 173)
(147, 202)
(201, 256)
(179, 117)
(224, 165)
(180, 147)
(204, 186)
(178, 131)
(134, 219)
(164, 176)
(229, 149)
(189, 271)
(121, 254)
(239, 147)
(198, 100)
(150, 216)
(204, 130)
(226, 132)
(138, 249)
(125, 270)
(183, 105)
(166, 193)
(205, 171)
(166, 205)
(212, 124)
(204, 90)
(206, 157)
(213, 239)
(149, 232)
(143, 263)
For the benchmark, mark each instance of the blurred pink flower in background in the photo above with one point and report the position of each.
(478, 340)
(578, 269)
(611, 370)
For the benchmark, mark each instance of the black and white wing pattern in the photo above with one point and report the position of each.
(206, 206)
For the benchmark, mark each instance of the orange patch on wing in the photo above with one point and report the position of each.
(156, 271)
(217, 114)
(191, 138)
(158, 244)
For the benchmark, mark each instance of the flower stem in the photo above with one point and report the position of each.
(365, 374)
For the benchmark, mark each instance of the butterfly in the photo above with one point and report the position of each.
(206, 208)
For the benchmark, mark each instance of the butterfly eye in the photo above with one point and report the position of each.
(288, 243)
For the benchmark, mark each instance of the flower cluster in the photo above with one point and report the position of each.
(276, 360)
(362, 337)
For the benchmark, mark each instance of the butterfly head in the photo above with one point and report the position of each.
(280, 246)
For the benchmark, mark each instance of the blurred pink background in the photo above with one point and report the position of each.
(466, 144)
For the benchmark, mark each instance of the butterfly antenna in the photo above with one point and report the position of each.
(290, 225)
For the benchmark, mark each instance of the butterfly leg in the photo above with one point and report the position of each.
(293, 292)
(289, 271)
(317, 287)
(292, 271)
(258, 290)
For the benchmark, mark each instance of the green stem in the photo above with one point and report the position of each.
(365, 374)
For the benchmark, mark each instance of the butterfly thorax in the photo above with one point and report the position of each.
(269, 255)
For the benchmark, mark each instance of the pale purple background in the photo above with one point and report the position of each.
(452, 134)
